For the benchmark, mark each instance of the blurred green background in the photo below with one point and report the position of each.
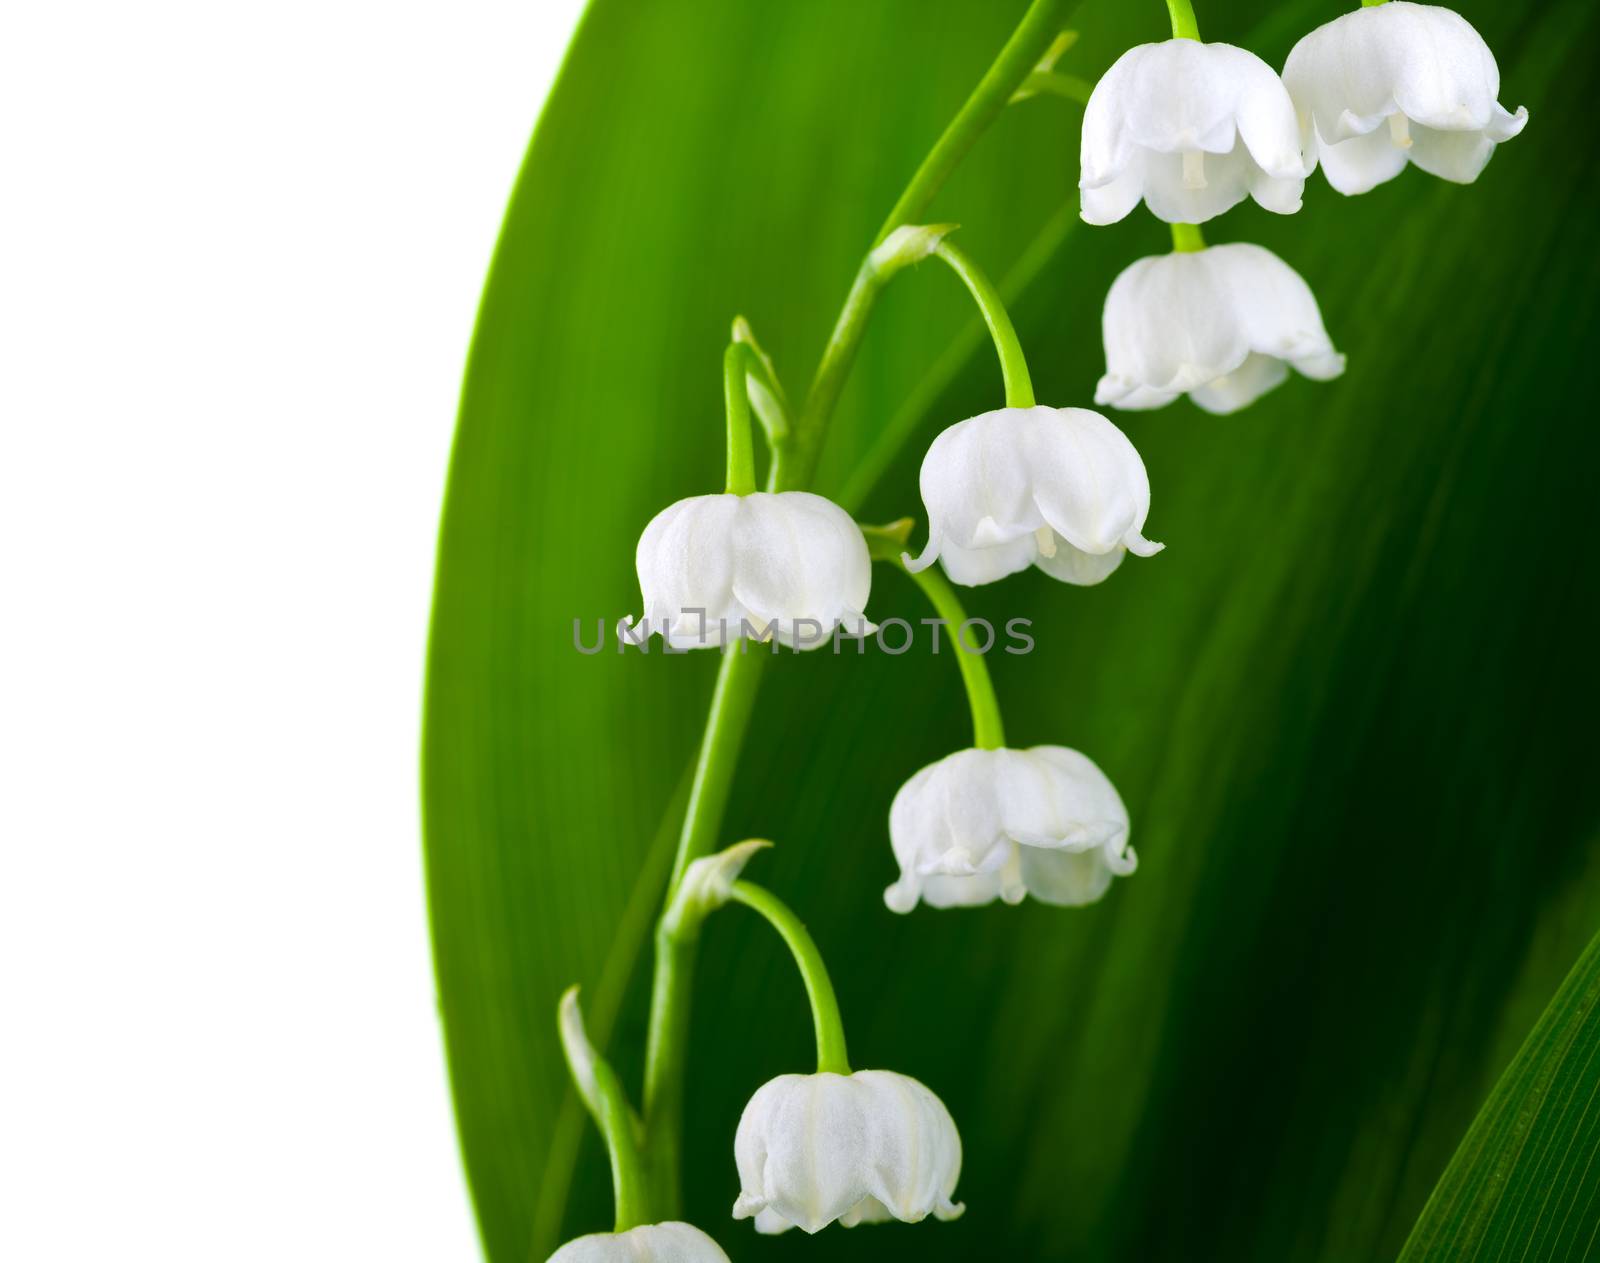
(1350, 708)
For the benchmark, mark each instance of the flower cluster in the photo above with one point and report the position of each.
(1192, 129)
(1189, 129)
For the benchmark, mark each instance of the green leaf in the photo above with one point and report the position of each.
(1524, 1183)
(1350, 708)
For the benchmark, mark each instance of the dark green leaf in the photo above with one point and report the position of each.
(1524, 1184)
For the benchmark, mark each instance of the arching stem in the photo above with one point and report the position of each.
(1013, 364)
(831, 1053)
(1040, 25)
(887, 544)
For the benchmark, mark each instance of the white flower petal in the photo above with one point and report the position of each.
(1131, 396)
(1068, 879)
(1111, 201)
(1242, 387)
(794, 562)
(1073, 565)
(1014, 804)
(1361, 163)
(1459, 157)
(670, 1242)
(1406, 81)
(974, 482)
(1089, 483)
(1169, 326)
(1192, 128)
(1216, 324)
(972, 567)
(1228, 177)
(997, 484)
(812, 1149)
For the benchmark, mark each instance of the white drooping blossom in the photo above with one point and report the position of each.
(1222, 325)
(985, 824)
(1379, 87)
(670, 1242)
(790, 567)
(857, 1148)
(1059, 488)
(1192, 129)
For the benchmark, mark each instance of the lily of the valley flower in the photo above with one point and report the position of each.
(670, 1242)
(985, 824)
(1059, 488)
(1395, 83)
(857, 1148)
(791, 567)
(1222, 325)
(1192, 129)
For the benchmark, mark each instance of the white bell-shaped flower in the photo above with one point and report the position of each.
(1379, 87)
(791, 567)
(670, 1242)
(1192, 129)
(1222, 325)
(857, 1148)
(1059, 488)
(985, 824)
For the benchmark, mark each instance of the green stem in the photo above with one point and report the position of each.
(1186, 238)
(831, 1053)
(666, 1047)
(618, 1126)
(736, 400)
(888, 543)
(988, 733)
(1039, 26)
(1183, 24)
(932, 385)
(1013, 364)
(732, 704)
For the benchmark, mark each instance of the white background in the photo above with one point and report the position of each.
(241, 247)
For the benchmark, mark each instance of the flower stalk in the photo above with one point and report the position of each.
(888, 544)
(1183, 24)
(1039, 27)
(832, 1057)
(1013, 364)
